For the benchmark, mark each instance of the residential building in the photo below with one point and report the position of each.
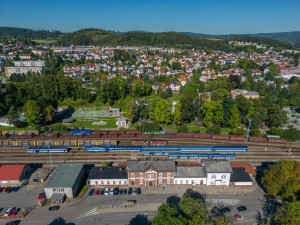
(122, 121)
(22, 69)
(151, 172)
(108, 176)
(218, 172)
(30, 63)
(65, 182)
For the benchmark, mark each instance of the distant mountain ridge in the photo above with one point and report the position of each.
(88, 36)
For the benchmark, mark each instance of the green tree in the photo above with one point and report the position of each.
(177, 114)
(32, 112)
(163, 111)
(244, 107)
(234, 120)
(12, 115)
(49, 113)
(212, 112)
(167, 215)
(221, 221)
(131, 110)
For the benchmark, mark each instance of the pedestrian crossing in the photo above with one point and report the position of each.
(223, 202)
(92, 212)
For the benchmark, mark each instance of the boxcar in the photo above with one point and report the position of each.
(140, 142)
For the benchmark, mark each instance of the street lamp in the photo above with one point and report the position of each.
(49, 145)
(249, 121)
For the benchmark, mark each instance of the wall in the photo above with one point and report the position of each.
(189, 181)
(92, 182)
(218, 180)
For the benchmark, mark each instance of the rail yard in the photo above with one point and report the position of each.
(257, 152)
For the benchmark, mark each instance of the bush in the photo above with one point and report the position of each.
(183, 128)
(214, 130)
(276, 131)
(58, 128)
(149, 127)
(83, 190)
(255, 132)
(238, 132)
(291, 134)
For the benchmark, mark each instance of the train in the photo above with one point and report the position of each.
(46, 150)
(185, 155)
(87, 133)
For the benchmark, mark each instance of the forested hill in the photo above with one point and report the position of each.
(165, 39)
(14, 32)
(290, 37)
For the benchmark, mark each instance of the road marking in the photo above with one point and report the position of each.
(92, 212)
(224, 202)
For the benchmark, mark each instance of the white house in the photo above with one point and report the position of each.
(107, 176)
(218, 172)
(190, 175)
(121, 121)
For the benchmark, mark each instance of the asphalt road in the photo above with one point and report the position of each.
(110, 210)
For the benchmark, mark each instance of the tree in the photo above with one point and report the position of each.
(212, 112)
(131, 110)
(244, 107)
(49, 113)
(188, 109)
(288, 215)
(104, 164)
(276, 116)
(167, 215)
(234, 120)
(221, 221)
(32, 112)
(177, 114)
(12, 115)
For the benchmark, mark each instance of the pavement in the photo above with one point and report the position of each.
(291, 118)
(111, 210)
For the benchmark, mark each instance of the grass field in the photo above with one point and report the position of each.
(2, 74)
(111, 123)
(46, 41)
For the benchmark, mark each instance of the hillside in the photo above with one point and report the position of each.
(290, 37)
(14, 32)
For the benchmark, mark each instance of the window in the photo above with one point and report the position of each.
(102, 182)
(213, 177)
(114, 182)
(132, 175)
(141, 175)
(169, 174)
(149, 176)
(108, 182)
(192, 181)
(160, 181)
(141, 182)
(187, 181)
(120, 182)
(160, 174)
(168, 181)
(125, 182)
(181, 181)
(175, 181)
(211, 183)
(223, 177)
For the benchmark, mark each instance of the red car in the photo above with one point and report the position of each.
(4, 189)
(96, 192)
(238, 217)
(42, 196)
(13, 212)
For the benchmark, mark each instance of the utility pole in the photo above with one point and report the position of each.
(249, 121)
(49, 145)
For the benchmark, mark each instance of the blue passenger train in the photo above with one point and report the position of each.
(181, 155)
(46, 150)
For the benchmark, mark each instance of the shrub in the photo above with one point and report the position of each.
(214, 130)
(83, 190)
(183, 128)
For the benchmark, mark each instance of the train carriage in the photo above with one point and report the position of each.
(46, 150)
(180, 155)
(125, 149)
(96, 149)
(196, 148)
(230, 148)
(161, 148)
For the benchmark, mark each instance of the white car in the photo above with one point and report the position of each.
(111, 191)
(106, 191)
(8, 212)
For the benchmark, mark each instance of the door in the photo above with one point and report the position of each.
(201, 182)
(150, 183)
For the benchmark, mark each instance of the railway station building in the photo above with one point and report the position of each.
(108, 176)
(151, 172)
(190, 175)
(65, 182)
(218, 172)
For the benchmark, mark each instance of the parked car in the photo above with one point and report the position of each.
(42, 196)
(238, 217)
(101, 192)
(124, 191)
(242, 208)
(91, 192)
(4, 189)
(120, 192)
(116, 191)
(225, 210)
(15, 189)
(7, 213)
(106, 191)
(133, 191)
(54, 208)
(96, 192)
(139, 191)
(214, 210)
(130, 191)
(111, 191)
(9, 190)
(25, 183)
(13, 211)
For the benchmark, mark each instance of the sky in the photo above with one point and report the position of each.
(199, 16)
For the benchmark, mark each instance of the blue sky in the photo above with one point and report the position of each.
(210, 16)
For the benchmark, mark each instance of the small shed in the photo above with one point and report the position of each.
(240, 178)
(122, 121)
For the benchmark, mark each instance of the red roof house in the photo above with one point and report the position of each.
(11, 173)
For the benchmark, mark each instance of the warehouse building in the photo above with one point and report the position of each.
(65, 182)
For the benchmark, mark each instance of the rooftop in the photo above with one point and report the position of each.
(11, 172)
(190, 171)
(65, 175)
(240, 175)
(154, 164)
(217, 166)
(108, 173)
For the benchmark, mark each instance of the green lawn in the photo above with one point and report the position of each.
(14, 128)
(46, 41)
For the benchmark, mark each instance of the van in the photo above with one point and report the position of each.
(8, 212)
(106, 191)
